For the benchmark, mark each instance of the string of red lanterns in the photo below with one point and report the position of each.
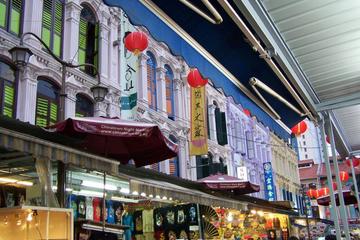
(195, 79)
(356, 162)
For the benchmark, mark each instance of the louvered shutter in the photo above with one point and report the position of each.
(42, 106)
(82, 42)
(9, 99)
(3, 13)
(57, 28)
(16, 16)
(221, 132)
(47, 22)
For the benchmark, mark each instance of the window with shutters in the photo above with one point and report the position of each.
(88, 40)
(221, 132)
(52, 25)
(250, 144)
(84, 106)
(169, 80)
(204, 166)
(174, 167)
(155, 167)
(11, 16)
(151, 80)
(47, 103)
(7, 90)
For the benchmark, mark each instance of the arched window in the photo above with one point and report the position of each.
(47, 103)
(88, 39)
(84, 106)
(52, 25)
(174, 162)
(11, 15)
(151, 80)
(169, 79)
(7, 90)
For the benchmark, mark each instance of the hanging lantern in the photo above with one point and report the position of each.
(299, 128)
(318, 193)
(195, 79)
(136, 42)
(247, 112)
(327, 139)
(356, 162)
(324, 191)
(344, 176)
(310, 193)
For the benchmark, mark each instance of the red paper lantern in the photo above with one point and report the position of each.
(310, 193)
(318, 193)
(136, 42)
(327, 139)
(324, 191)
(195, 79)
(355, 160)
(299, 128)
(247, 112)
(344, 176)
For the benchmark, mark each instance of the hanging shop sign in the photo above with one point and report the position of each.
(129, 75)
(198, 131)
(242, 173)
(270, 193)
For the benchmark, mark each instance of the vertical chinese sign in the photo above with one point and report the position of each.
(129, 72)
(270, 193)
(198, 132)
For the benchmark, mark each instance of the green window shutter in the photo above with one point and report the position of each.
(16, 16)
(82, 42)
(9, 98)
(221, 132)
(79, 115)
(47, 22)
(96, 45)
(42, 106)
(53, 113)
(58, 28)
(3, 14)
(223, 129)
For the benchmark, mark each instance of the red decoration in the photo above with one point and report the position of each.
(334, 186)
(195, 79)
(327, 139)
(247, 112)
(356, 162)
(324, 191)
(311, 193)
(344, 176)
(136, 42)
(299, 128)
(318, 193)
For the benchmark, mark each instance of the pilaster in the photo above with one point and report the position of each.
(33, 21)
(104, 51)
(71, 31)
(142, 83)
(70, 100)
(161, 90)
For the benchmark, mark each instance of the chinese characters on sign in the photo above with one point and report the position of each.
(242, 173)
(270, 193)
(129, 76)
(198, 131)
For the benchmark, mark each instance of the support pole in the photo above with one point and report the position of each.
(355, 182)
(330, 182)
(343, 213)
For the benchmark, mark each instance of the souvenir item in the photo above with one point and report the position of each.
(110, 212)
(119, 212)
(73, 205)
(192, 214)
(138, 222)
(172, 235)
(89, 209)
(97, 209)
(148, 220)
(183, 235)
(81, 207)
(180, 217)
(10, 202)
(159, 235)
(170, 217)
(158, 219)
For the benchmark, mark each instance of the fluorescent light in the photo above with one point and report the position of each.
(135, 193)
(157, 197)
(88, 193)
(12, 180)
(98, 185)
(143, 194)
(151, 196)
(125, 190)
(164, 198)
(122, 199)
(170, 198)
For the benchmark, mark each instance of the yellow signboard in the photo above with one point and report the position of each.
(198, 130)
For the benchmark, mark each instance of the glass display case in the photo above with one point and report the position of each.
(33, 222)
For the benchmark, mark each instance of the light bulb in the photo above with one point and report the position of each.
(29, 217)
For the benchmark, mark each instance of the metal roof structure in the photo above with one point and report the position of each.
(318, 42)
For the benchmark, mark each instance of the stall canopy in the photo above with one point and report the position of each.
(119, 139)
(349, 199)
(319, 42)
(229, 60)
(229, 183)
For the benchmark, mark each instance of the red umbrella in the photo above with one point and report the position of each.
(225, 182)
(119, 139)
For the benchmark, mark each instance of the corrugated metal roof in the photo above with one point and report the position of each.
(324, 39)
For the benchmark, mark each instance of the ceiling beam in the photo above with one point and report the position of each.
(340, 102)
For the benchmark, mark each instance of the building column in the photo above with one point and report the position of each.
(33, 21)
(183, 159)
(178, 86)
(212, 122)
(161, 90)
(142, 86)
(70, 100)
(103, 50)
(113, 56)
(26, 95)
(71, 31)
